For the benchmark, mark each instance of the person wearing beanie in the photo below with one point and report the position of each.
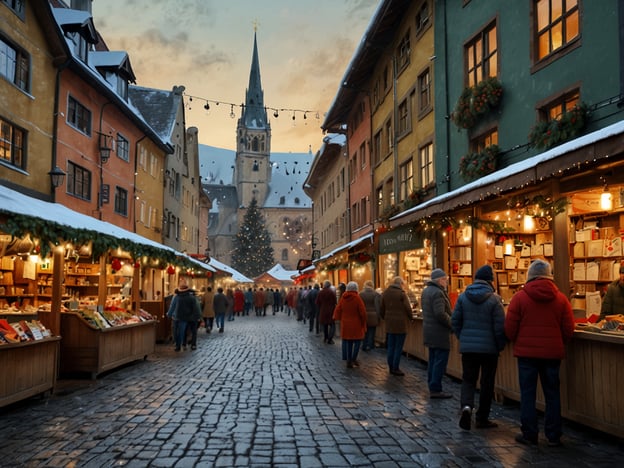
(479, 323)
(396, 310)
(436, 308)
(613, 301)
(539, 322)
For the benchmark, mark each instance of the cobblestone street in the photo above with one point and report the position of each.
(269, 393)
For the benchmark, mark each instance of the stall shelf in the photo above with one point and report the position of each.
(85, 348)
(29, 368)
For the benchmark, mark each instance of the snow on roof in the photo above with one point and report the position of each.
(70, 16)
(280, 274)
(346, 246)
(236, 275)
(526, 164)
(159, 108)
(15, 202)
(100, 58)
(289, 171)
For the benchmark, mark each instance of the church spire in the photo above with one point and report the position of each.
(254, 113)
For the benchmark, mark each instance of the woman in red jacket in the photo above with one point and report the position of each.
(351, 313)
(539, 322)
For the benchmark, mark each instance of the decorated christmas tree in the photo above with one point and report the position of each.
(253, 253)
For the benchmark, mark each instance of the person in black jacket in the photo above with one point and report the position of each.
(478, 321)
(186, 310)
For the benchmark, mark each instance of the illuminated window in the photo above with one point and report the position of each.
(556, 24)
(481, 55)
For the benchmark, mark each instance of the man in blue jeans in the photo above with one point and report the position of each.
(539, 322)
(436, 308)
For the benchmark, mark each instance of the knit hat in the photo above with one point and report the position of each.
(539, 269)
(437, 274)
(485, 273)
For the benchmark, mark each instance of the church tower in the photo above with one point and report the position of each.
(252, 173)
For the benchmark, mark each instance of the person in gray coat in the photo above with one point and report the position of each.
(479, 322)
(436, 308)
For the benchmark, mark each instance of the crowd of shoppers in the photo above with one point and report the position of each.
(539, 323)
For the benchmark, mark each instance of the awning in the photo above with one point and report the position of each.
(236, 275)
(16, 203)
(276, 274)
(590, 148)
(346, 246)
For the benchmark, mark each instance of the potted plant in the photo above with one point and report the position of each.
(477, 164)
(548, 133)
(476, 101)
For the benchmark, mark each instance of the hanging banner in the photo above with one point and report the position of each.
(400, 239)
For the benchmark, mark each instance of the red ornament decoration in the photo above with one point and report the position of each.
(170, 270)
(208, 274)
(115, 264)
(137, 264)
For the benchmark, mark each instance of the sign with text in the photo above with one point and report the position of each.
(399, 239)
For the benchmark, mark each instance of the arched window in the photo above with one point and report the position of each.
(254, 144)
(284, 255)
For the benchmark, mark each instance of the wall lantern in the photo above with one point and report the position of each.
(57, 176)
(105, 147)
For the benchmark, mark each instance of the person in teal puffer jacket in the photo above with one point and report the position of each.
(478, 321)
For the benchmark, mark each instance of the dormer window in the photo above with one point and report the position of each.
(282, 200)
(119, 84)
(79, 45)
(297, 200)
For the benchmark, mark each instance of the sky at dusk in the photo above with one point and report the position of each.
(304, 48)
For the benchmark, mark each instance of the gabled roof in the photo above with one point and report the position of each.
(376, 38)
(326, 155)
(254, 112)
(118, 61)
(76, 21)
(277, 274)
(158, 107)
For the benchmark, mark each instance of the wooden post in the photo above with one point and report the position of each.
(58, 279)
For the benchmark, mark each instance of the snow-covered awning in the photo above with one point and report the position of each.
(346, 246)
(16, 203)
(276, 274)
(236, 275)
(530, 171)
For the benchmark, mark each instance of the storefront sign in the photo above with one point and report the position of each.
(586, 203)
(400, 239)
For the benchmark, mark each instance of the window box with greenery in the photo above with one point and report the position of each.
(476, 101)
(478, 164)
(548, 133)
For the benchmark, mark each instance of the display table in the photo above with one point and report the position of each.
(28, 368)
(85, 348)
(591, 375)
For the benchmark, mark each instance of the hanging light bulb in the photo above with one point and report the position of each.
(304, 116)
(207, 106)
(232, 115)
(275, 114)
(606, 200)
(293, 116)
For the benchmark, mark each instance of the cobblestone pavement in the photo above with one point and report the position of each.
(269, 393)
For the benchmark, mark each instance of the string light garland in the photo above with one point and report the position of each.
(275, 110)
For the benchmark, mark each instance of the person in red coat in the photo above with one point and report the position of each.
(351, 313)
(239, 302)
(539, 322)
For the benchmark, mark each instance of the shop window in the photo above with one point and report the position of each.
(481, 56)
(123, 148)
(78, 116)
(425, 163)
(404, 118)
(78, 181)
(121, 201)
(556, 24)
(12, 144)
(403, 52)
(424, 92)
(484, 140)
(406, 180)
(14, 65)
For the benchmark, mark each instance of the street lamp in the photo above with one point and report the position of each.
(57, 176)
